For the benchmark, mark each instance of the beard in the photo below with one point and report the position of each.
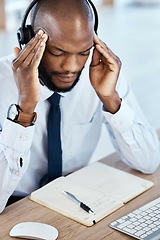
(46, 79)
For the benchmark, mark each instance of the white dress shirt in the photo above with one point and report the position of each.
(23, 154)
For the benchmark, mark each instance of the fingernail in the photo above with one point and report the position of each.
(45, 36)
(40, 32)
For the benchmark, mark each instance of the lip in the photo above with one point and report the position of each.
(66, 78)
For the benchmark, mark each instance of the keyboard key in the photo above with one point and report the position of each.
(142, 223)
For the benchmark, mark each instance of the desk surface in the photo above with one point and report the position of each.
(26, 210)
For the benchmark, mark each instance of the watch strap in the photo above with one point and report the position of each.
(26, 117)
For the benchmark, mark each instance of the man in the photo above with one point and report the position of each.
(72, 60)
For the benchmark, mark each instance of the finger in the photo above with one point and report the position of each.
(99, 41)
(30, 57)
(104, 46)
(16, 51)
(96, 58)
(28, 44)
(27, 49)
(38, 56)
(109, 58)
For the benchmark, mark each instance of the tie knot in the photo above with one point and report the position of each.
(54, 99)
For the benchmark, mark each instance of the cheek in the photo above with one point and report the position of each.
(50, 63)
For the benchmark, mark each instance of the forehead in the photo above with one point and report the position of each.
(69, 35)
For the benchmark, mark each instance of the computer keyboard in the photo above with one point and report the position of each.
(142, 223)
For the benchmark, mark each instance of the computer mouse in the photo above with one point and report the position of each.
(34, 230)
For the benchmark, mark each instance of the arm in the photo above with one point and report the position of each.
(104, 72)
(15, 143)
(25, 70)
(16, 138)
(134, 139)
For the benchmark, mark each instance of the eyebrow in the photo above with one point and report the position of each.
(62, 50)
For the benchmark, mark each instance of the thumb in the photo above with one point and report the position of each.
(16, 51)
(96, 56)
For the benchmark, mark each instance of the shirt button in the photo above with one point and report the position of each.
(23, 138)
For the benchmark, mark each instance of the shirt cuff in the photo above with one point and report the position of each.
(121, 120)
(16, 136)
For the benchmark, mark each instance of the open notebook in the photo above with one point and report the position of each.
(103, 188)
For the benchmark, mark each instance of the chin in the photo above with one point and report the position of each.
(48, 81)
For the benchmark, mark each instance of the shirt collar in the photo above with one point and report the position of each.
(46, 93)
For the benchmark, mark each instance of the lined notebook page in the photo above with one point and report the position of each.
(52, 196)
(103, 188)
(117, 183)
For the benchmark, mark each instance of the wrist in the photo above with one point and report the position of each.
(16, 115)
(27, 107)
(111, 104)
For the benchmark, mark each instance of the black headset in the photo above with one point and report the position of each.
(25, 33)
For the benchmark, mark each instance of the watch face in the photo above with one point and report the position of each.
(12, 112)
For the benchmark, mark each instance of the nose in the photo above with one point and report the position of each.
(71, 63)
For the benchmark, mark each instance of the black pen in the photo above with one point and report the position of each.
(81, 204)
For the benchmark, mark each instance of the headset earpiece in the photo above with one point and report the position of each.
(25, 34)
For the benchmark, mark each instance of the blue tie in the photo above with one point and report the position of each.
(54, 141)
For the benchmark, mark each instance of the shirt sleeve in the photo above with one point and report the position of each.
(15, 143)
(134, 139)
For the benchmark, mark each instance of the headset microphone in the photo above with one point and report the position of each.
(25, 33)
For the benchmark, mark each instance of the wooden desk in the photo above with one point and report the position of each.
(26, 210)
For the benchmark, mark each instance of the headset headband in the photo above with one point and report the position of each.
(25, 33)
(27, 12)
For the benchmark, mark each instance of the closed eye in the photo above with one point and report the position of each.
(64, 53)
(57, 54)
(85, 53)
